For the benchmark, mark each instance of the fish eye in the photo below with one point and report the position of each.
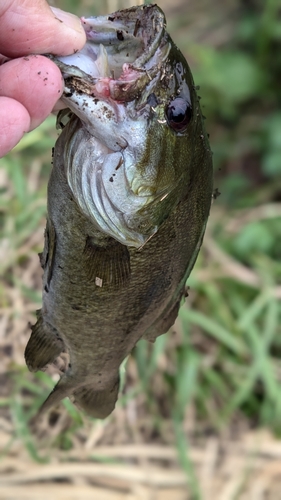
(178, 114)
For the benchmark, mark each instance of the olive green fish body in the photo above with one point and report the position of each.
(117, 275)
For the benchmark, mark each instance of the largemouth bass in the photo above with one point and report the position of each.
(128, 201)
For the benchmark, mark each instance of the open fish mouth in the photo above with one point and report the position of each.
(122, 53)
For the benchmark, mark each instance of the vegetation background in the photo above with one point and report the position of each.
(200, 414)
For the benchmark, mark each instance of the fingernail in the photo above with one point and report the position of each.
(70, 20)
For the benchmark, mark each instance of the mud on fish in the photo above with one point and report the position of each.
(128, 201)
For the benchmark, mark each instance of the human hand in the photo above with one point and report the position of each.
(30, 85)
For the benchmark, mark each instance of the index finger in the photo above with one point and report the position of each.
(32, 27)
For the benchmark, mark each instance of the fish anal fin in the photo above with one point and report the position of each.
(107, 265)
(164, 323)
(97, 403)
(44, 345)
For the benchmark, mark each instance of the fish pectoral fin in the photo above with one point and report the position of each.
(108, 264)
(97, 403)
(44, 345)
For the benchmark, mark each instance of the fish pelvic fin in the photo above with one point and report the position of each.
(97, 403)
(44, 345)
(107, 265)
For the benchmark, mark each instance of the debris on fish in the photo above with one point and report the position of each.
(128, 201)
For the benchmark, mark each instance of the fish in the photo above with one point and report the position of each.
(128, 201)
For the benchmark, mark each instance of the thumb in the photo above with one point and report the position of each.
(33, 27)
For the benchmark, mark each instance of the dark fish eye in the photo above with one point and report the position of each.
(178, 114)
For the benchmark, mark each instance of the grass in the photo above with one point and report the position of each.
(221, 362)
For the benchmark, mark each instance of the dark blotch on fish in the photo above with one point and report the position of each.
(120, 35)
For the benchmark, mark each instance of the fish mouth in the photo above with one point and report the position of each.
(123, 53)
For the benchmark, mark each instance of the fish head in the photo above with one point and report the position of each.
(131, 145)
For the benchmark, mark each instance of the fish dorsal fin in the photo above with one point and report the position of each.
(107, 265)
(44, 345)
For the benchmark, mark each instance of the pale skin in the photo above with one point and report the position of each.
(31, 84)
